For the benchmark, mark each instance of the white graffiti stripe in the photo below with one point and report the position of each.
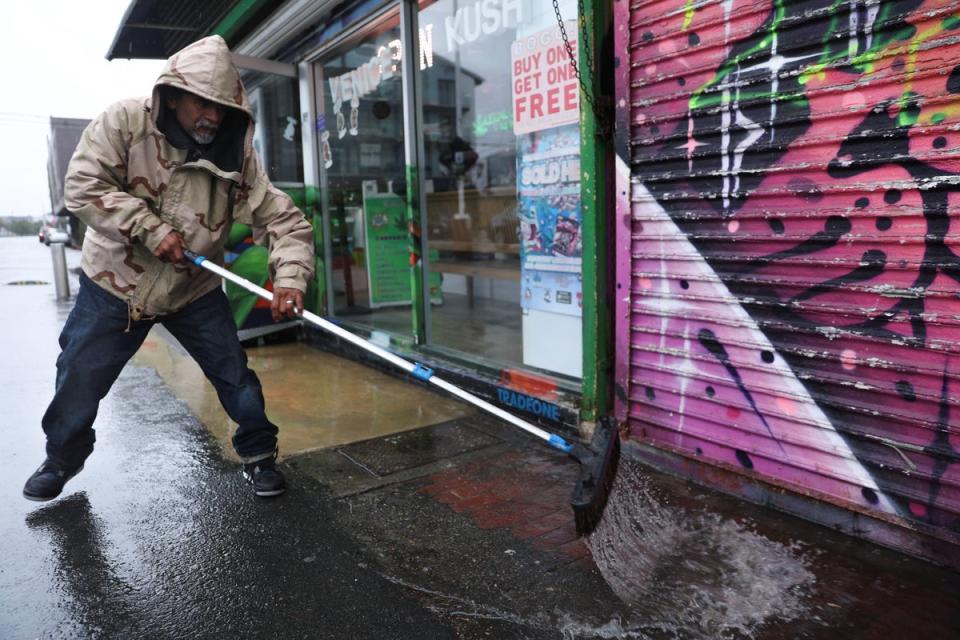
(873, 8)
(725, 146)
(754, 133)
(677, 317)
(732, 161)
(853, 29)
(869, 9)
(773, 65)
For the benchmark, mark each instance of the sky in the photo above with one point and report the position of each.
(53, 63)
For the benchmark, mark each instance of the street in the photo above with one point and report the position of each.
(159, 537)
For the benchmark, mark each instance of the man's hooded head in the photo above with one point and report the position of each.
(199, 117)
(199, 93)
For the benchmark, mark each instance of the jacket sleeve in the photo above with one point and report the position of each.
(283, 229)
(94, 189)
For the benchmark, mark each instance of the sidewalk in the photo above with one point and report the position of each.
(409, 515)
(472, 515)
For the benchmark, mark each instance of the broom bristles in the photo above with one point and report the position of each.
(598, 469)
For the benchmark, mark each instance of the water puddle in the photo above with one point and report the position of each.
(686, 573)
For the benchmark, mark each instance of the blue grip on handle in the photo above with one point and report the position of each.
(560, 443)
(194, 258)
(421, 372)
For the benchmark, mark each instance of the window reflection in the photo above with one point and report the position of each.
(275, 103)
(498, 95)
(360, 132)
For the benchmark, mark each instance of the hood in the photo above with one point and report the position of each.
(205, 68)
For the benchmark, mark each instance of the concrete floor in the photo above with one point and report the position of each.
(319, 400)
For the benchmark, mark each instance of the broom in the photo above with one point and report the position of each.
(598, 461)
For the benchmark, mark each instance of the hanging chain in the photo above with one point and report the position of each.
(603, 120)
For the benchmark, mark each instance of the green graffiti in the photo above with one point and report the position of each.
(298, 195)
(311, 196)
(938, 117)
(842, 53)
(689, 11)
(839, 51)
(238, 233)
(839, 47)
(905, 33)
(699, 100)
(909, 110)
(251, 265)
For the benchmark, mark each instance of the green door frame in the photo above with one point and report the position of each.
(594, 150)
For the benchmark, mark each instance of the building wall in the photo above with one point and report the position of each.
(788, 270)
(64, 137)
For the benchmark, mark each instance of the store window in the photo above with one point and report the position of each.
(361, 139)
(275, 103)
(501, 176)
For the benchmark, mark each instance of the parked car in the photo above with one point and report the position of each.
(54, 230)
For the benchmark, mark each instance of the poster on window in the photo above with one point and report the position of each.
(546, 92)
(554, 291)
(387, 251)
(549, 211)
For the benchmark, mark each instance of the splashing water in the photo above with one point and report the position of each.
(689, 574)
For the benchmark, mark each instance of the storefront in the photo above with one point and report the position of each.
(438, 149)
(498, 210)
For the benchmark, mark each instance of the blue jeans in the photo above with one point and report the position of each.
(96, 344)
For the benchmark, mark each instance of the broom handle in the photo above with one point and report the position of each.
(417, 370)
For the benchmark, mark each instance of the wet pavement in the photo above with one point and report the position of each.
(423, 520)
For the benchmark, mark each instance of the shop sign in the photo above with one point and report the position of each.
(546, 92)
(358, 83)
(367, 78)
(483, 18)
(529, 404)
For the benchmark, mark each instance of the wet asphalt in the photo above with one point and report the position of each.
(159, 537)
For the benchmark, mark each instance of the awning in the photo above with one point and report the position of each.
(156, 29)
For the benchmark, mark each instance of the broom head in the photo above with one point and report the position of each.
(598, 468)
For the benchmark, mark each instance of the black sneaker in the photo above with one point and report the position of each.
(47, 482)
(266, 479)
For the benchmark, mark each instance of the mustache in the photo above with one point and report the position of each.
(206, 124)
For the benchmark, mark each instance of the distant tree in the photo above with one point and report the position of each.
(21, 226)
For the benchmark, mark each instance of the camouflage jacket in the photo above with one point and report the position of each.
(132, 186)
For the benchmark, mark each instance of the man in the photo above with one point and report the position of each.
(151, 177)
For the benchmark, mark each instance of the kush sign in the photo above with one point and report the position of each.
(545, 89)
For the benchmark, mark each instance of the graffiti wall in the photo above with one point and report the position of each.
(788, 259)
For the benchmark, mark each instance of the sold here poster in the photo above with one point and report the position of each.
(546, 93)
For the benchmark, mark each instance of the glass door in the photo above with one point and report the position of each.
(361, 140)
